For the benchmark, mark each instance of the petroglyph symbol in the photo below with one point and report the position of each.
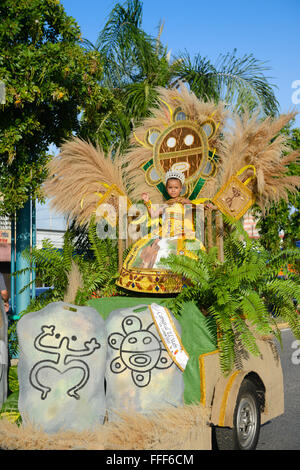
(140, 351)
(63, 361)
(235, 193)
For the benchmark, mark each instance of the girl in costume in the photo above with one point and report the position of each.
(143, 269)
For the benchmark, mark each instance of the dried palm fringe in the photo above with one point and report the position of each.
(75, 282)
(182, 428)
(251, 141)
(76, 178)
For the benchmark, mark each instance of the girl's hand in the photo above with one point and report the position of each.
(186, 201)
(209, 205)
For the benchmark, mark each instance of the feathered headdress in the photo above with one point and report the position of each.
(187, 134)
(182, 132)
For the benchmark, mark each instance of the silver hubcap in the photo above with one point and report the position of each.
(246, 421)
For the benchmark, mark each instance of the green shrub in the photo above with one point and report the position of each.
(240, 293)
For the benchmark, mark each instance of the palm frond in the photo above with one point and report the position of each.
(199, 73)
(238, 81)
(241, 81)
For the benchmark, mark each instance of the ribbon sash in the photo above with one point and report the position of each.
(169, 335)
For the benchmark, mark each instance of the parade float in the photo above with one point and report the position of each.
(187, 345)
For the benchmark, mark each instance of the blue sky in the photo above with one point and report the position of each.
(269, 29)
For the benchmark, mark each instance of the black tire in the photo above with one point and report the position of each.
(246, 422)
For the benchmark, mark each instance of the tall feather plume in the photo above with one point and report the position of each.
(250, 141)
(76, 177)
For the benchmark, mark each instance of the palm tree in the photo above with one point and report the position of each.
(243, 294)
(135, 63)
(240, 82)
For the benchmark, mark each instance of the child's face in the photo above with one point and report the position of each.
(174, 187)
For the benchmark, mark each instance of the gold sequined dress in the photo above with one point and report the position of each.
(143, 269)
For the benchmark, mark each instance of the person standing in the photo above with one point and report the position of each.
(4, 292)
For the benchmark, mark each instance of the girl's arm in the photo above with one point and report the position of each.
(152, 212)
(204, 201)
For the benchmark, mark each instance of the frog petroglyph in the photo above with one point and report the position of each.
(66, 359)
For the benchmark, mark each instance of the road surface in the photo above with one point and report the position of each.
(283, 433)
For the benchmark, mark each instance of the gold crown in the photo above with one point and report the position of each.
(175, 174)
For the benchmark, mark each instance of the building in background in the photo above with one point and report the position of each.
(249, 224)
(49, 225)
(5, 249)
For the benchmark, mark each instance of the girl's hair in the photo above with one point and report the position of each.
(173, 178)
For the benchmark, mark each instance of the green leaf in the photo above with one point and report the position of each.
(10, 408)
(13, 381)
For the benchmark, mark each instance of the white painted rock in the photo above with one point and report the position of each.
(61, 367)
(3, 354)
(140, 374)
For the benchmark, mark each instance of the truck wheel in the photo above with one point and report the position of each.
(246, 422)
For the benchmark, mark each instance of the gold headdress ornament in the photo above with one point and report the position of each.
(173, 173)
(183, 138)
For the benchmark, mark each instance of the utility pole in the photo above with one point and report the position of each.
(23, 226)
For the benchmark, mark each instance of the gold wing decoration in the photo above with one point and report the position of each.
(81, 178)
(258, 146)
